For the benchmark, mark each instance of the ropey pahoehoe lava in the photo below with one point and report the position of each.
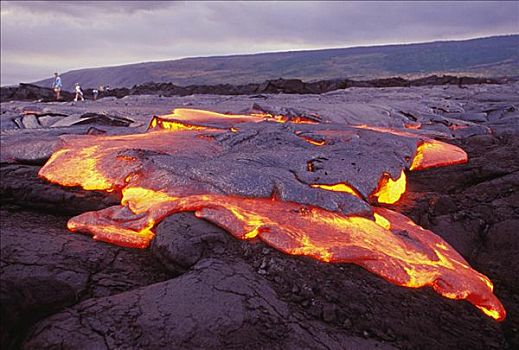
(302, 187)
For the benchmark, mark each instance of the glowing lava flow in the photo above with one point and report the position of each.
(196, 119)
(312, 141)
(342, 187)
(99, 167)
(432, 153)
(390, 190)
(390, 245)
(471, 285)
(165, 124)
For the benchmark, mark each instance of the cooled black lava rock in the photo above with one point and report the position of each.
(218, 304)
(24, 92)
(286, 86)
(45, 268)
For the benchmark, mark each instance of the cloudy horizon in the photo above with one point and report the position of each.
(38, 38)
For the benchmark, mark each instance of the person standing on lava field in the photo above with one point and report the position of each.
(57, 85)
(79, 93)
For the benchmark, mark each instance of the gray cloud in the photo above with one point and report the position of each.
(80, 9)
(40, 37)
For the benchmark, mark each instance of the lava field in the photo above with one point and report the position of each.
(360, 218)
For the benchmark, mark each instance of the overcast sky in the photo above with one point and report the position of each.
(38, 38)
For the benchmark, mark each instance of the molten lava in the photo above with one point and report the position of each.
(415, 126)
(313, 141)
(470, 285)
(341, 187)
(196, 119)
(389, 245)
(390, 190)
(165, 124)
(432, 153)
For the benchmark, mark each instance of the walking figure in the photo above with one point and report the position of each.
(79, 93)
(57, 85)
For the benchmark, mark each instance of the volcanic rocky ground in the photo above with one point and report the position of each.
(198, 287)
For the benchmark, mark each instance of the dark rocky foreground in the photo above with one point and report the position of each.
(31, 92)
(197, 287)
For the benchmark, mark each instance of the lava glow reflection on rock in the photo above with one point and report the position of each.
(304, 211)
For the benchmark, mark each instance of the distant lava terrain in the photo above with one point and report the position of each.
(287, 86)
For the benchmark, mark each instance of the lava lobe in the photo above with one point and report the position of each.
(302, 187)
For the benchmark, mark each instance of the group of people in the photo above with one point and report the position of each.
(57, 85)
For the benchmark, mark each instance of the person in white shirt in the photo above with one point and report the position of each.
(79, 93)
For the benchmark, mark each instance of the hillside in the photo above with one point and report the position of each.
(492, 56)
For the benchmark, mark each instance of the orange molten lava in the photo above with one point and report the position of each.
(432, 153)
(196, 119)
(284, 119)
(342, 187)
(382, 221)
(390, 245)
(390, 190)
(385, 130)
(96, 167)
(415, 126)
(313, 141)
(471, 285)
(172, 125)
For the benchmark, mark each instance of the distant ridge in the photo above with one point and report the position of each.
(495, 56)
